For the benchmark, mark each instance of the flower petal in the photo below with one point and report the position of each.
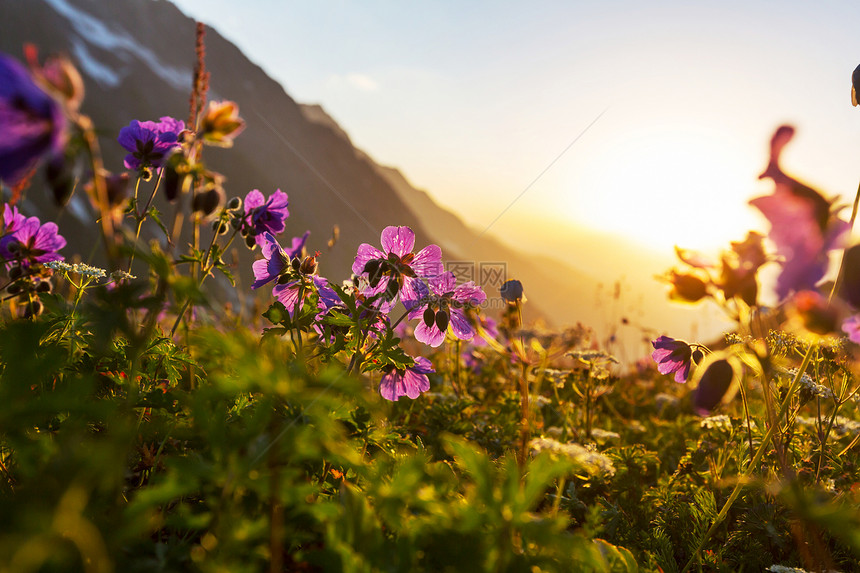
(398, 240)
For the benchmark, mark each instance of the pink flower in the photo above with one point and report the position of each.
(396, 269)
(410, 382)
(672, 356)
(443, 306)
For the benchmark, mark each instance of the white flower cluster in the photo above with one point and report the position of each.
(557, 377)
(602, 434)
(785, 569)
(841, 426)
(720, 422)
(810, 385)
(594, 463)
(77, 268)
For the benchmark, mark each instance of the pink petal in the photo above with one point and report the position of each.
(428, 262)
(398, 240)
(365, 253)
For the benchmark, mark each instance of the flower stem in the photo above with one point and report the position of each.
(765, 443)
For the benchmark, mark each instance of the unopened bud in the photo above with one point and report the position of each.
(442, 320)
(512, 291)
(221, 123)
(234, 204)
(34, 308)
(16, 272)
(429, 317)
(207, 202)
(309, 266)
(687, 287)
(714, 384)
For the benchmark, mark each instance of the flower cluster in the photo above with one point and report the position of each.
(594, 463)
(382, 278)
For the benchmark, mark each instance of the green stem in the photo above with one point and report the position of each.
(765, 443)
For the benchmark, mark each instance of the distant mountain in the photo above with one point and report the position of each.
(137, 58)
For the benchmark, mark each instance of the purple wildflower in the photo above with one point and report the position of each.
(672, 356)
(293, 293)
(149, 143)
(851, 327)
(296, 279)
(32, 123)
(803, 228)
(28, 241)
(266, 215)
(410, 382)
(397, 269)
(443, 306)
(276, 260)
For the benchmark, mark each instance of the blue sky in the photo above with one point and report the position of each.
(473, 100)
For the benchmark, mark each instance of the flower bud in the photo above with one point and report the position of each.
(57, 75)
(713, 385)
(15, 272)
(308, 266)
(117, 189)
(234, 204)
(43, 286)
(34, 308)
(61, 179)
(208, 201)
(442, 320)
(687, 287)
(221, 123)
(512, 291)
(429, 317)
(391, 289)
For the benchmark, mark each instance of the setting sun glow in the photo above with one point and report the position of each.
(667, 186)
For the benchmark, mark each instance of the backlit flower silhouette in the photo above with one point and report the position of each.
(149, 143)
(803, 226)
(396, 269)
(410, 382)
(266, 215)
(32, 123)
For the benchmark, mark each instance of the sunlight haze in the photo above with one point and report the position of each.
(474, 102)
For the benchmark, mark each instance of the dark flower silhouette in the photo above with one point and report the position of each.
(32, 123)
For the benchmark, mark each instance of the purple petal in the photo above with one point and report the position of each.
(253, 200)
(415, 383)
(851, 327)
(428, 262)
(288, 294)
(413, 292)
(469, 293)
(442, 284)
(365, 253)
(429, 335)
(398, 240)
(462, 328)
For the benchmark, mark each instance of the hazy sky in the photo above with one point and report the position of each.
(474, 100)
